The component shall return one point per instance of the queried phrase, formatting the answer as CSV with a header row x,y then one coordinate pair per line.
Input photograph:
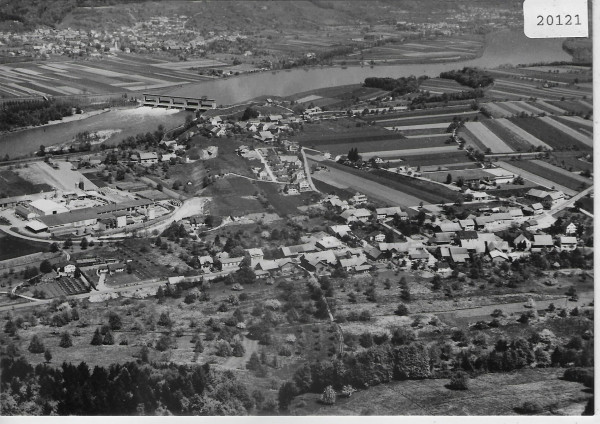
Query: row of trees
x,y
397,86
121,389
471,77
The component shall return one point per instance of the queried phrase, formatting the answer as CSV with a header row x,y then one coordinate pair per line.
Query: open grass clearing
x,y
489,394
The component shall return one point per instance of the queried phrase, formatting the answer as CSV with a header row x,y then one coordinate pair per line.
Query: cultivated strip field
x,y
549,135
535,178
510,138
579,120
345,180
444,115
553,108
409,152
564,172
528,107
487,138
497,111
521,133
567,130
550,173
418,127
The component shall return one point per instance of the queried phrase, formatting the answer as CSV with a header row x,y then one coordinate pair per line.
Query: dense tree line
x,y
22,114
397,86
471,77
447,97
121,389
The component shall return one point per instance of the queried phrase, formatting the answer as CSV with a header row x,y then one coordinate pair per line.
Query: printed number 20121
x,y
558,20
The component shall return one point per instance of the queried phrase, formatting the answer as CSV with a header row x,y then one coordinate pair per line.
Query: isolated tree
x,y
144,354
164,320
449,179
68,243
286,394
401,310
84,243
328,397
45,266
47,355
54,247
36,345
114,321
459,381
97,338
199,347
10,327
65,340
238,349
253,363
108,339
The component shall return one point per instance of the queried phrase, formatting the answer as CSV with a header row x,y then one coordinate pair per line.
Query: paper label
x,y
555,18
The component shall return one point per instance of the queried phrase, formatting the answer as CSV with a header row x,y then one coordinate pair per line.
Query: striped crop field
x,y
557,176
522,134
419,127
524,169
550,107
517,143
568,130
549,135
584,126
487,137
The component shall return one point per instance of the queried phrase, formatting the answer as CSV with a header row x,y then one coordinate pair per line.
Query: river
x,y
503,47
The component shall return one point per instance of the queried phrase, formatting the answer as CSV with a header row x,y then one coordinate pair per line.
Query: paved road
x,y
569,202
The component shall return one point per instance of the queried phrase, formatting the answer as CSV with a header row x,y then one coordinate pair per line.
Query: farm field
x,y
337,94
12,184
577,123
110,75
434,117
568,130
487,137
13,247
573,106
384,145
488,394
548,134
510,138
398,154
554,173
550,108
325,188
569,161
447,158
439,86
346,178
523,171
521,133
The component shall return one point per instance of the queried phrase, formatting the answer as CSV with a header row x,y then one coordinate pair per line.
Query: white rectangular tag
x,y
555,18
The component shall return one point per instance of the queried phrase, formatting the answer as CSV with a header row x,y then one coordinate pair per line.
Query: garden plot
x,y
569,131
534,141
487,138
534,178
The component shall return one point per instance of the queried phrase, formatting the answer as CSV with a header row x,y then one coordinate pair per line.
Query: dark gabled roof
x,y
466,235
